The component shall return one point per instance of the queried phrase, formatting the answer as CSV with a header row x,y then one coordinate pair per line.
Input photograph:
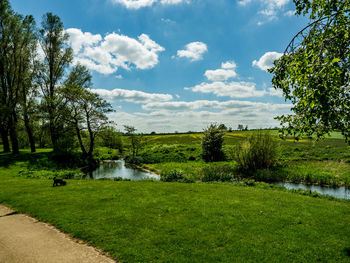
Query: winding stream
x,y
113,169
339,192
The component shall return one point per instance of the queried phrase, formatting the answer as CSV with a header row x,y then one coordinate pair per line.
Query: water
x,y
339,192
113,169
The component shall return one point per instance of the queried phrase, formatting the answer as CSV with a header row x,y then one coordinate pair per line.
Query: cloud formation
x,y
266,61
231,89
106,55
193,51
134,96
269,9
136,4
226,72
196,115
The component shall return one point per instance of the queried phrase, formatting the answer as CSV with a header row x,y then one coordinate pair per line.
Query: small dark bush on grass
x,y
172,176
258,152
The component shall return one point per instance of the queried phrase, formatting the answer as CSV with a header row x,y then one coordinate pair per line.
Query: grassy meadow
x,y
150,221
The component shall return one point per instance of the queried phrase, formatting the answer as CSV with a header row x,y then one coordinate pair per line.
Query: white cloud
x,y
228,65
79,39
106,55
214,104
194,51
134,96
275,92
220,74
269,9
136,4
119,77
266,61
226,72
289,13
244,2
230,89
196,115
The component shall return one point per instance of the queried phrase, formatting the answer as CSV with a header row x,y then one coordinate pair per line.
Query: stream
x,y
113,169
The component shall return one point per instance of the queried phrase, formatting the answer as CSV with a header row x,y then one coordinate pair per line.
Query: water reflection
x,y
339,192
114,169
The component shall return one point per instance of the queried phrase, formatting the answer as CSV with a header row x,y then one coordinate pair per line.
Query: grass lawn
x,y
173,222
177,222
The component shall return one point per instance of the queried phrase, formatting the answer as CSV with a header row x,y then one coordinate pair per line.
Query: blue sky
x,y
178,65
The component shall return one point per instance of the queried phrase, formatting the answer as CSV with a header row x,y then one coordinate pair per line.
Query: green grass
x,y
172,222
199,222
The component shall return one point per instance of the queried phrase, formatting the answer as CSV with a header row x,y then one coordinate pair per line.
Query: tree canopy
x,y
314,74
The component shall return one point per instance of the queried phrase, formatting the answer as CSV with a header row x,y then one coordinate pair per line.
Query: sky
x,y
179,65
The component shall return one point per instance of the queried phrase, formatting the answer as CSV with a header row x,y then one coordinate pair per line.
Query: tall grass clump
x,y
259,151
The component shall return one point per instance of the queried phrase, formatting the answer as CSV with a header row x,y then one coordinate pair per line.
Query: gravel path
x,y
25,240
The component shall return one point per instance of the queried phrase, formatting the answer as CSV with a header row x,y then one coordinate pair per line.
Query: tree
x,y
314,72
57,57
222,127
240,127
85,111
111,138
137,140
17,46
212,141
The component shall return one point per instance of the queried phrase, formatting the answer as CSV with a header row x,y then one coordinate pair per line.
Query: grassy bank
x,y
326,162
172,222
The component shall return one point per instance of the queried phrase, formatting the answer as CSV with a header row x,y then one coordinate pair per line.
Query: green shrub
x,y
258,152
217,173
212,142
172,176
136,160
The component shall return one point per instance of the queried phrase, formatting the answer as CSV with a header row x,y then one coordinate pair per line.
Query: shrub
x,y
212,140
258,152
217,173
136,160
172,176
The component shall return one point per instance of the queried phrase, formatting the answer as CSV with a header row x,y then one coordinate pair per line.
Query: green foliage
x,y
258,152
111,138
172,176
212,141
314,75
222,173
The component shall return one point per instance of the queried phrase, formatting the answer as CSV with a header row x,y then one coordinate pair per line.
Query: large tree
x,y
17,44
57,57
314,72
85,110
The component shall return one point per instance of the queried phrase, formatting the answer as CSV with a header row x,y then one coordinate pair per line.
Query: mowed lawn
x,y
174,222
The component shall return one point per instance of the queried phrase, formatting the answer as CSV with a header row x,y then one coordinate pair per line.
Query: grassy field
x,y
199,222
326,162
173,222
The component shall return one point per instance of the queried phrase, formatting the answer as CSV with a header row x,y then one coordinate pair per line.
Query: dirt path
x,y
25,240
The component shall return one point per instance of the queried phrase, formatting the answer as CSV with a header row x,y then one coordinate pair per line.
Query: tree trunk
x,y
29,132
5,139
13,135
84,153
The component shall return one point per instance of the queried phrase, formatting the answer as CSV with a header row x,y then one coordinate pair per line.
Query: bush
x,y
172,176
136,160
258,152
217,173
212,140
